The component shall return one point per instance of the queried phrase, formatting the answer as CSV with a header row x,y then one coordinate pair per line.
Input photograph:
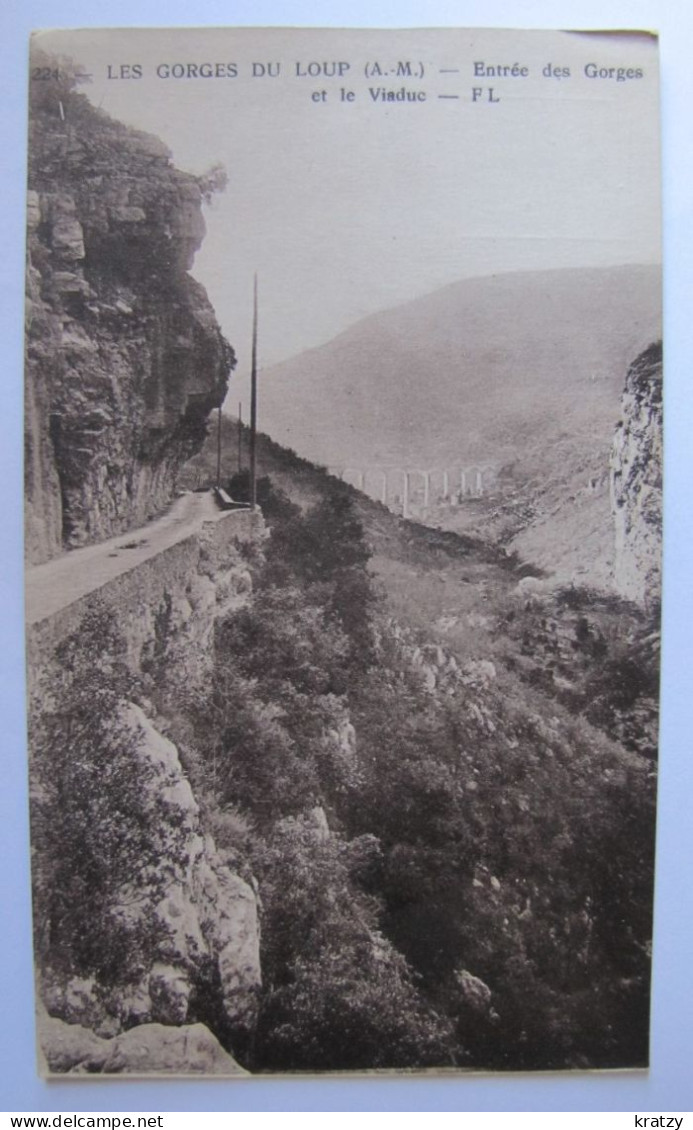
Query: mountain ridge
x,y
358,398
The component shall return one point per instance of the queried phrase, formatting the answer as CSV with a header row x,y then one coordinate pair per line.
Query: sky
x,y
348,205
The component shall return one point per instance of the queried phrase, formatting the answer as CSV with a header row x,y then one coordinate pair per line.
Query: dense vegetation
x,y
96,827
451,874
454,854
441,783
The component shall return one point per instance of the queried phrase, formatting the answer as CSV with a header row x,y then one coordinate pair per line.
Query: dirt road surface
x,y
58,583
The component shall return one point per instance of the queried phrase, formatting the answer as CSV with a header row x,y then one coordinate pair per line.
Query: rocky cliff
x,y
186,925
636,481
121,842
124,356
147,934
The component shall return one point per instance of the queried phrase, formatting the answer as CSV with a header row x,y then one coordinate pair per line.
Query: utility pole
x,y
253,403
240,437
219,446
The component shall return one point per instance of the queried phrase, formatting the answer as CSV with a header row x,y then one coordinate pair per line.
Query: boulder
x,y
473,992
67,1047
149,1049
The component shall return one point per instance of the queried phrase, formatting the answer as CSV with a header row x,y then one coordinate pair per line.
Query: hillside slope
x,y
522,372
495,734
482,600
489,368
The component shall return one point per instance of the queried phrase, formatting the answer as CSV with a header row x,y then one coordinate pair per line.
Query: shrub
x,y
339,996
98,832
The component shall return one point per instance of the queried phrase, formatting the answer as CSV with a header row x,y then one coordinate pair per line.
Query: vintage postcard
x,y
343,505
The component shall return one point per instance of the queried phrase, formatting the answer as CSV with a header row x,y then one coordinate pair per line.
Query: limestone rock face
x,y
145,1050
124,357
636,481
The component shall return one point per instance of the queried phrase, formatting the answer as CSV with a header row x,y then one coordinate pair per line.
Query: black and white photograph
x,y
343,500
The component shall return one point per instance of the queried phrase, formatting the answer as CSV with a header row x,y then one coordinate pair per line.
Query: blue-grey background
x,y
669,1084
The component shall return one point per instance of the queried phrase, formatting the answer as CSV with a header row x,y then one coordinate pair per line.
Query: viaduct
x,y
407,490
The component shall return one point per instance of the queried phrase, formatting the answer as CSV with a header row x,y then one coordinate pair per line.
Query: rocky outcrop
x,y
147,1050
124,356
636,481
473,992
186,923
200,919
